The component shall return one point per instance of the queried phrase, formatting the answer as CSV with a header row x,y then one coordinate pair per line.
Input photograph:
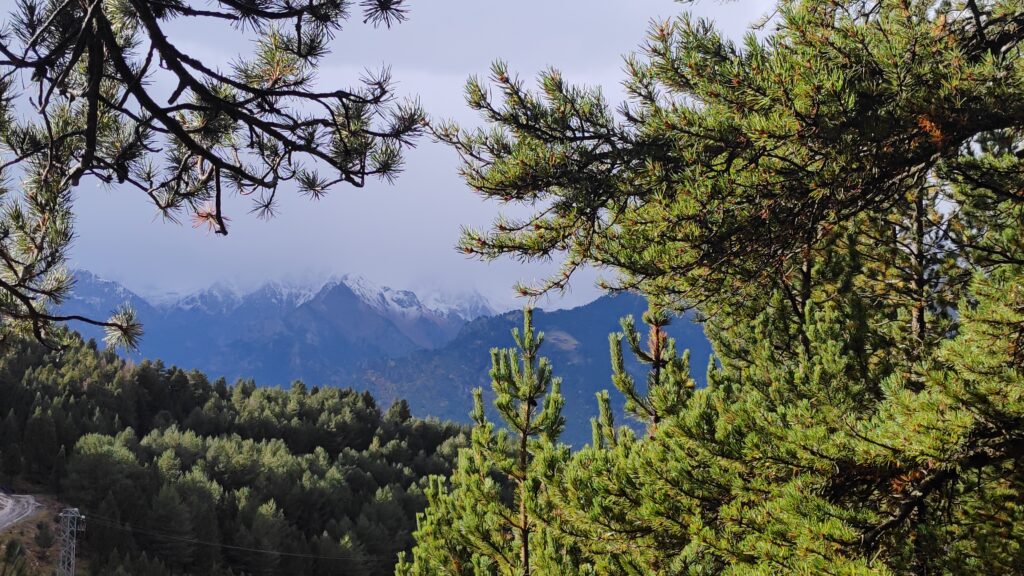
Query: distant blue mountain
x,y
440,382
279,333
349,332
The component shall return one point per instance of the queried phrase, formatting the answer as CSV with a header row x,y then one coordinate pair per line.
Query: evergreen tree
x,y
41,451
668,381
170,528
10,444
839,198
277,471
731,159
250,128
111,535
491,517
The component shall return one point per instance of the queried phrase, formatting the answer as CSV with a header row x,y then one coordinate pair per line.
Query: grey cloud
x,y
402,235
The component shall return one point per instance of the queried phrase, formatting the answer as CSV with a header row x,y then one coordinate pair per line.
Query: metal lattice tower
x,y
71,523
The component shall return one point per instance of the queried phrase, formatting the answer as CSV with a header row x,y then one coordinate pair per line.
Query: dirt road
x,y
14,509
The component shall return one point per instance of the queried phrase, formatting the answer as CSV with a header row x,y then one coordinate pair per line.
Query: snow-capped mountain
x,y
382,298
284,294
217,299
430,349
221,298
282,331
91,290
428,326
95,297
409,304
468,306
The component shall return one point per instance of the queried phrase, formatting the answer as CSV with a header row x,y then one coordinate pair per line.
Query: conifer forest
x,y
836,197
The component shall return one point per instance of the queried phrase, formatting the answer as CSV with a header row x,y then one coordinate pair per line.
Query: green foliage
x,y
14,563
839,198
490,517
668,385
249,126
44,537
180,476
730,157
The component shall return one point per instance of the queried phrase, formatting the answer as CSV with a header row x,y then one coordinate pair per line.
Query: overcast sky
x,y
400,235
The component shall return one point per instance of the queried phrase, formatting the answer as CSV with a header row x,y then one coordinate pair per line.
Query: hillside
x,y
350,332
32,544
439,382
182,475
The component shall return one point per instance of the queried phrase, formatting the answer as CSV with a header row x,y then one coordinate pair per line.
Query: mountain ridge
x,y
347,318
439,382
351,332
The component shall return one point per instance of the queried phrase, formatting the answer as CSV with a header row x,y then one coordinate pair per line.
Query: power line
x,y
115,524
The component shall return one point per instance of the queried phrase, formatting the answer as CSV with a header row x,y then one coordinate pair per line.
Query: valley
x,y
350,332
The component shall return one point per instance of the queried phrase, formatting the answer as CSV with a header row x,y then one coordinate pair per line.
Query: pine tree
x,y
10,444
111,534
600,500
41,451
491,516
259,123
668,383
175,494
718,191
603,432
170,529
839,198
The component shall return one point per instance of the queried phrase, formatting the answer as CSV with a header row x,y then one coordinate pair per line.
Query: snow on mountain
x,y
217,299
468,306
91,290
222,299
267,324
385,299
283,294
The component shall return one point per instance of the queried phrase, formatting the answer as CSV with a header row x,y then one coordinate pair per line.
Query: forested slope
x,y
181,475
841,196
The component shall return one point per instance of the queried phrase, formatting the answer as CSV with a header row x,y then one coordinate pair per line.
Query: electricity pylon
x,y
71,523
